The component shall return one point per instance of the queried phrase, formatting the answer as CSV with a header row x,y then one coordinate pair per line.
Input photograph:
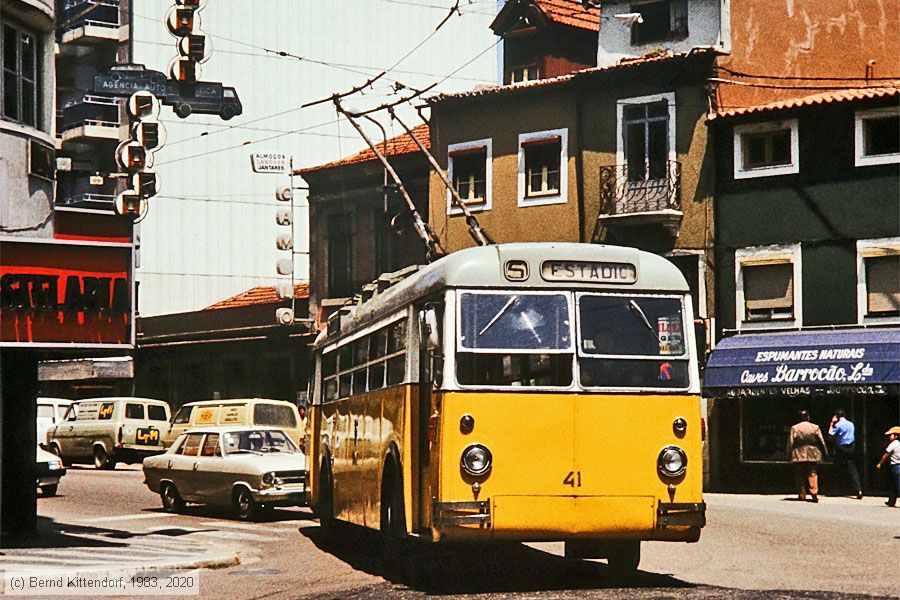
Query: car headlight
x,y
268,478
54,465
476,460
672,461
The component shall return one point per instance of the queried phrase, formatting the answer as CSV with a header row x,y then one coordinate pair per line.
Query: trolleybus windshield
x,y
515,339
631,341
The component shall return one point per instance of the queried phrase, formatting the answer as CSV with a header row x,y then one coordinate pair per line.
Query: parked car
x,y
49,472
250,469
109,430
50,411
238,411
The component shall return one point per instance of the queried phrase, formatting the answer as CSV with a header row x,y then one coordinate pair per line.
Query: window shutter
x,y
883,284
769,286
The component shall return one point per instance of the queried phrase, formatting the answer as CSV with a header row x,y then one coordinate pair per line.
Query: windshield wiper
x,y
640,314
499,314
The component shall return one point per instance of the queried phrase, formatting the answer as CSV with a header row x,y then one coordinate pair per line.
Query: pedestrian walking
x,y
843,432
892,454
806,447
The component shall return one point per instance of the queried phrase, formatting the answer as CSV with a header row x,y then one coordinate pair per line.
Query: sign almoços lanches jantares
x,y
66,293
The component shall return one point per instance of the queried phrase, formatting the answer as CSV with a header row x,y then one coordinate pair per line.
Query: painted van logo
x,y
147,435
106,411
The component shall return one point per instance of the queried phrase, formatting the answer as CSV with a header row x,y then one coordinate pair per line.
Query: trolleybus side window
x,y
514,339
632,341
368,363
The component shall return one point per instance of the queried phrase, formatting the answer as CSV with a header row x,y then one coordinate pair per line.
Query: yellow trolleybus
x,y
529,392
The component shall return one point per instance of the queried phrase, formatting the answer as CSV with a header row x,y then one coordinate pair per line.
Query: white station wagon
x,y
251,469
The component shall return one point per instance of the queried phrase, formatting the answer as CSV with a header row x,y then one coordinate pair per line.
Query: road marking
x,y
233,536
126,517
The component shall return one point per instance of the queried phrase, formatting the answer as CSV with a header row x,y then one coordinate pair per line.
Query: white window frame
x,y
563,195
487,144
863,159
866,249
789,252
793,167
621,103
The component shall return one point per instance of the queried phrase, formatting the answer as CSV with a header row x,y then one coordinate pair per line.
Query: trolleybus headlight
x,y
672,461
476,460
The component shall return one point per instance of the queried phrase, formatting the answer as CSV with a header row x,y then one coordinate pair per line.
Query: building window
x,y
543,159
878,136
20,69
469,170
645,144
878,280
765,149
768,287
661,20
524,73
646,140
340,256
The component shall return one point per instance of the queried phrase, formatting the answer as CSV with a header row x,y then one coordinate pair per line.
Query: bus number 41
x,y
573,479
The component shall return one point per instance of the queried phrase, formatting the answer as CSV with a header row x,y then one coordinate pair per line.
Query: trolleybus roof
x,y
549,265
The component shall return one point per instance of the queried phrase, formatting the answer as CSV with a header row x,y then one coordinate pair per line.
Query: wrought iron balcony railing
x,y
72,14
89,110
654,189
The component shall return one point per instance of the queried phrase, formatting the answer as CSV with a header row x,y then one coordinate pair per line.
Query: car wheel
x,y
245,506
54,448
171,499
227,112
183,110
624,557
49,490
102,460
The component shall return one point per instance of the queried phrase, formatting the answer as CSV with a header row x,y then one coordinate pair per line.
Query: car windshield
x,y
514,321
254,441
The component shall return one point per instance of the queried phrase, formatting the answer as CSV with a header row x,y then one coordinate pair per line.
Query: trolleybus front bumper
x,y
675,521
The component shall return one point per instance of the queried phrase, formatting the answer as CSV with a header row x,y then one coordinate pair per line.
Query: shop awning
x,y
850,357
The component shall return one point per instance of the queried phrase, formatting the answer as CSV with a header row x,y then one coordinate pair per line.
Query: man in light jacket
x,y
806,448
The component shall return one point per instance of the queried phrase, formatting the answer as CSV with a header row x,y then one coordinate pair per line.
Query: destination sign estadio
x,y
588,271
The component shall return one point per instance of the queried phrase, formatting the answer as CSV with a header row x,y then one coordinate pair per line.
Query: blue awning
x,y
850,357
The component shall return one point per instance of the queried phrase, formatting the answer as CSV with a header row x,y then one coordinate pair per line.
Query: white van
x,y
50,411
238,411
110,430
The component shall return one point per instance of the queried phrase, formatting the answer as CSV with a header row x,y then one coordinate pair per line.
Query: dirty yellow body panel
x,y
357,433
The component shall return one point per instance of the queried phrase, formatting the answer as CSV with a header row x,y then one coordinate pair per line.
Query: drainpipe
x,y
579,162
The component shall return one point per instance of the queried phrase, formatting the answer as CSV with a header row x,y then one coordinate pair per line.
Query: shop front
x,y
758,383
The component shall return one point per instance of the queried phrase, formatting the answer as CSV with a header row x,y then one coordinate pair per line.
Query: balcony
x,y
639,201
87,21
79,192
88,117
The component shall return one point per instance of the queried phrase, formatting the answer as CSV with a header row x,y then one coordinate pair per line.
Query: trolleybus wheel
x,y
624,556
325,509
393,520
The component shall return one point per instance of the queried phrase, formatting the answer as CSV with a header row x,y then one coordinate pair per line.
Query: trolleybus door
x,y
429,353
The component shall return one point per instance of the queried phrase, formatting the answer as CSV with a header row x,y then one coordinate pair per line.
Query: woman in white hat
x,y
892,453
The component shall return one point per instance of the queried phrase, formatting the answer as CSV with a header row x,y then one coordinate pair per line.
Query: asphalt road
x,y
754,546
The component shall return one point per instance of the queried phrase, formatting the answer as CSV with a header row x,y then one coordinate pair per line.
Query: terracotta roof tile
x,y
626,63
402,144
265,294
828,97
570,13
